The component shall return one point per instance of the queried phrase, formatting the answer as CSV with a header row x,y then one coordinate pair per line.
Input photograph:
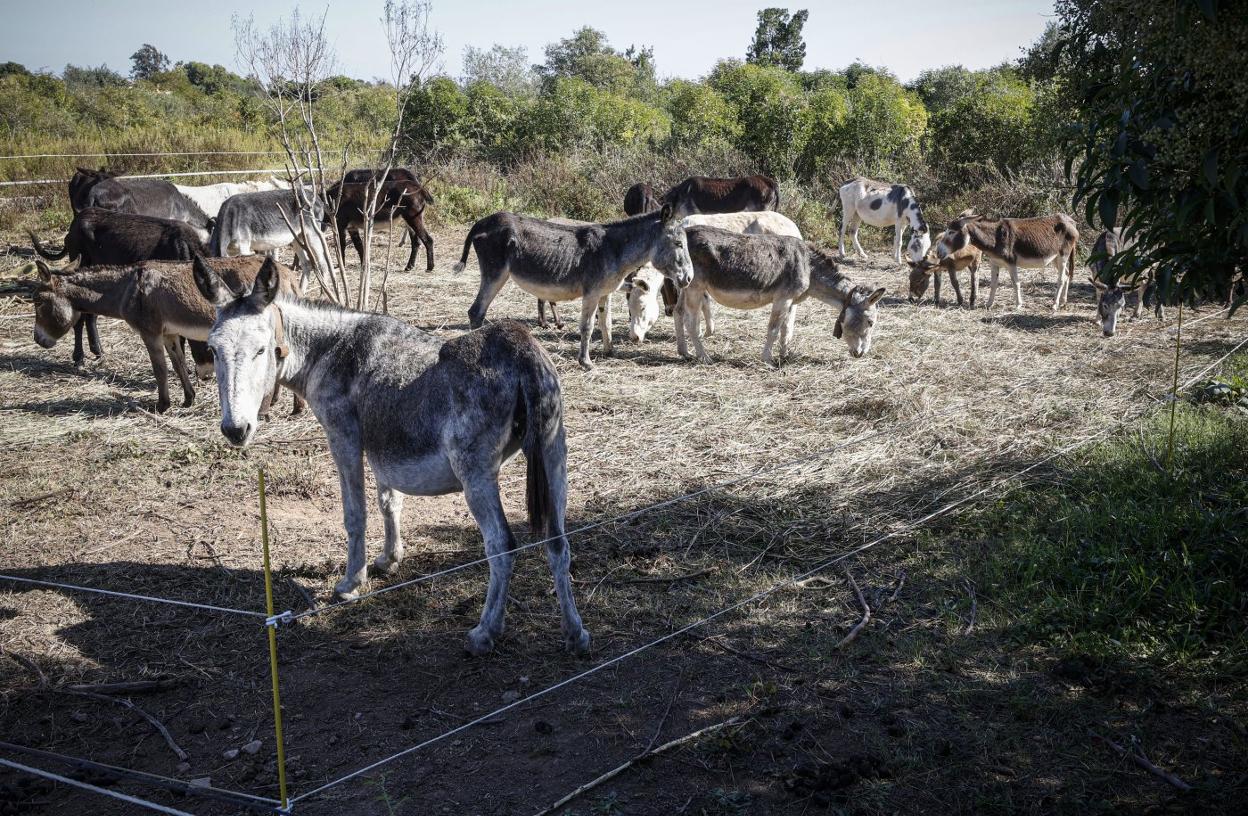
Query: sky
x,y
689,37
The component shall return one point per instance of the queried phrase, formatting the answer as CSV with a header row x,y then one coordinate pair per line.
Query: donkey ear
x,y
209,283
665,214
45,271
876,295
267,283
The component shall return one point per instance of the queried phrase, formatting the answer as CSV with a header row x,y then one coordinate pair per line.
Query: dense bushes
x,y
589,117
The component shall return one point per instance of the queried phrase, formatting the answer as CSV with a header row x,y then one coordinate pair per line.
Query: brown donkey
x,y
158,299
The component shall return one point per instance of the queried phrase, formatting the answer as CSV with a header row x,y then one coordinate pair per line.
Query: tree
x,y
1159,147
505,68
147,62
778,39
587,56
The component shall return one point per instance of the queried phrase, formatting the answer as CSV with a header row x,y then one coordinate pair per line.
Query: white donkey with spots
x,y
881,204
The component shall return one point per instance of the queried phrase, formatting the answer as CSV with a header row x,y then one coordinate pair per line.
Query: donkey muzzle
x,y
237,434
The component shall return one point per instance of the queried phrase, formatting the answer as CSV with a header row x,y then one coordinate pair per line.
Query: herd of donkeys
x,y
434,416
706,240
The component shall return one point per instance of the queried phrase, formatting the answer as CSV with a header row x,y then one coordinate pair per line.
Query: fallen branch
x,y
611,774
129,687
866,614
157,724
1142,761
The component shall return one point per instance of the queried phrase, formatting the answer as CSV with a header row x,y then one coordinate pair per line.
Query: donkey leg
x,y
691,311
992,285
678,315
554,313
541,313
589,306
173,347
558,554
490,287
857,244
936,287
350,462
391,503
604,317
898,229
778,309
974,271
481,492
957,289
79,355
706,313
844,224
1018,286
93,335
417,225
786,330
156,353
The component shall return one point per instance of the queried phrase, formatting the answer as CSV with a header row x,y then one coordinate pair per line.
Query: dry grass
x,y
99,491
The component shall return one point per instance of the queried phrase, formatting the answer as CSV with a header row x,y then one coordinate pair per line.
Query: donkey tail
x,y
472,233
544,446
46,254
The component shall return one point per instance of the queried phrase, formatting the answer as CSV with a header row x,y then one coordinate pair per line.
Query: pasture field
x,y
945,702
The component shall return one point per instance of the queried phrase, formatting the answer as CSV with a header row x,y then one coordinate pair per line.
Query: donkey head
x,y
54,314
1110,302
920,242
671,253
957,234
857,319
921,272
643,303
247,342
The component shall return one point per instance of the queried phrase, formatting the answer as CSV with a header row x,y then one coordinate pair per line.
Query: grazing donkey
x,y
263,221
210,197
752,271
99,236
1027,243
431,417
1111,298
643,309
702,194
929,268
157,299
881,204
563,262
398,195
639,199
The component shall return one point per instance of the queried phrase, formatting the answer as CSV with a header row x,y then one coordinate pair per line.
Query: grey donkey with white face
x,y
431,417
564,262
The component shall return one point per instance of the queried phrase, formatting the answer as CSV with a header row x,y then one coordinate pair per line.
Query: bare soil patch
x,y
921,713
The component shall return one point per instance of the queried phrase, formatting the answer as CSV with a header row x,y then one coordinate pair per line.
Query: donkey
x,y
263,222
99,236
929,268
154,197
881,204
563,262
1111,298
431,417
1027,243
752,271
643,309
639,199
210,197
157,299
398,195
702,194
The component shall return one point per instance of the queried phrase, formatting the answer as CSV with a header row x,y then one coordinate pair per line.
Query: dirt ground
x,y
924,712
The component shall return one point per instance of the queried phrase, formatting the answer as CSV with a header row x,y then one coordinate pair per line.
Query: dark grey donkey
x,y
431,417
563,262
753,271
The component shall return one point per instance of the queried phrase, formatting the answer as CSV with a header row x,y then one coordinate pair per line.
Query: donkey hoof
x,y
348,590
162,406
480,641
386,565
578,643
586,365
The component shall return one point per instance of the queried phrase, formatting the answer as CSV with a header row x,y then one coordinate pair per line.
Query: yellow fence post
x,y
271,625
